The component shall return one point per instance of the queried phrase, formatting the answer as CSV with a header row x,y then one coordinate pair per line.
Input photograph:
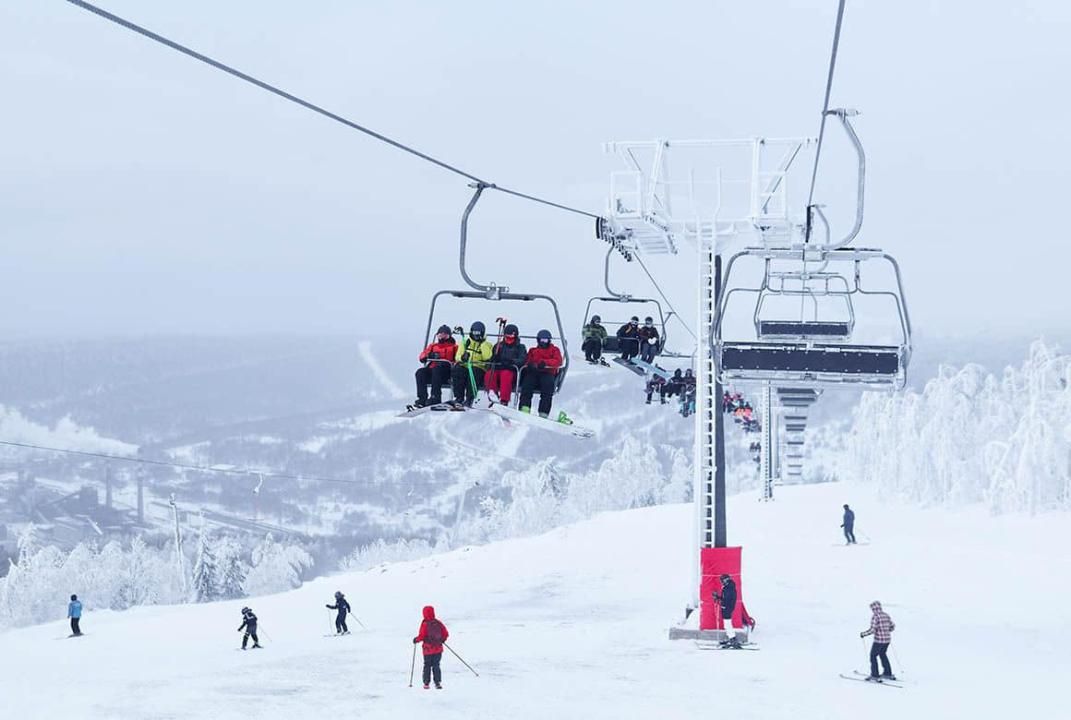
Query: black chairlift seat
x,y
803,363
791,329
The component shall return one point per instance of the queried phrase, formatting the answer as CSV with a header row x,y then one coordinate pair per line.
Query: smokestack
x,y
141,495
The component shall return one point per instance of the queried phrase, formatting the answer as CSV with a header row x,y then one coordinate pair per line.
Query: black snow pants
x,y
462,383
849,534
533,381
74,626
630,347
435,374
878,650
250,632
431,667
592,348
340,622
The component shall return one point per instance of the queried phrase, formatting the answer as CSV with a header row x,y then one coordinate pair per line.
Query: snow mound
x,y
572,624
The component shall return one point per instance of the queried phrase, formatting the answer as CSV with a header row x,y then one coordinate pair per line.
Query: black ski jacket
x,y
727,598
249,623
342,606
849,519
509,357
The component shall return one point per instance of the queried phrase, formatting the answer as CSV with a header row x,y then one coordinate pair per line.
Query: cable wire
x,y
182,466
825,104
155,37
658,288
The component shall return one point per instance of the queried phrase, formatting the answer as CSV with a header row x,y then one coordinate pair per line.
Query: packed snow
x,y
573,624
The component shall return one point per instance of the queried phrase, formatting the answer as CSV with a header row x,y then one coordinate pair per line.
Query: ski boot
x,y
526,410
563,418
427,686
438,686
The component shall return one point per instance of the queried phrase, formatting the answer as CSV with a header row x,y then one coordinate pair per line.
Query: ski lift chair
x,y
813,351
495,294
612,343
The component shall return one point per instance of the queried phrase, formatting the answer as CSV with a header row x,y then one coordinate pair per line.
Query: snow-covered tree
x,y
232,569
275,567
205,572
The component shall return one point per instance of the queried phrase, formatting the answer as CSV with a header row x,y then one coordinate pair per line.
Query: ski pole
x,y
330,622
412,666
461,659
897,659
358,620
266,634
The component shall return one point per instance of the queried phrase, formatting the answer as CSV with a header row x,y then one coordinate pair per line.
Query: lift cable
x,y
183,466
658,288
825,105
145,32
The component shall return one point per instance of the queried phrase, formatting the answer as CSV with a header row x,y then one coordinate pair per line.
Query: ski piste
x,y
630,366
562,428
886,683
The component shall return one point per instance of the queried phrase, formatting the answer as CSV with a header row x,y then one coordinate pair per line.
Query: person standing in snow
x,y
74,612
249,624
849,525
433,634
343,608
881,627
727,600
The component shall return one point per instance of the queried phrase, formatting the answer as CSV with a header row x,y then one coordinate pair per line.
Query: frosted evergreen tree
x,y
231,569
206,572
275,567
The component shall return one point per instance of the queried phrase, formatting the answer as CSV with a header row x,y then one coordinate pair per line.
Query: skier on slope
x,y
472,357
438,358
249,624
507,358
343,608
648,340
594,334
541,369
849,525
74,612
628,336
726,600
881,627
433,634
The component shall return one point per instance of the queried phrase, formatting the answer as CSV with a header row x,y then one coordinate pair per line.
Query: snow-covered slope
x,y
572,624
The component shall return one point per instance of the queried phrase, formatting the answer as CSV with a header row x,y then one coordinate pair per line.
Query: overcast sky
x,y
143,192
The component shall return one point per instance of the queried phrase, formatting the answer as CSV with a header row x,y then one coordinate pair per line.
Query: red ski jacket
x,y
551,355
445,350
430,648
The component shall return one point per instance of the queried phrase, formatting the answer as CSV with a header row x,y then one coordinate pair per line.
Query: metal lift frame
x,y
495,293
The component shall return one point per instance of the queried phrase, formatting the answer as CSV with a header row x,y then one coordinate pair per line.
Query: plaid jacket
x,y
881,625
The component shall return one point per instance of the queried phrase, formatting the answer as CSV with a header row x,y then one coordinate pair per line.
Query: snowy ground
x,y
573,624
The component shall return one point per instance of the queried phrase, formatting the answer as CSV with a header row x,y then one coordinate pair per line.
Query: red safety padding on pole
x,y
713,562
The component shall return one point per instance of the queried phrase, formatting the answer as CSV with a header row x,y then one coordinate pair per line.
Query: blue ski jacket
x,y
74,609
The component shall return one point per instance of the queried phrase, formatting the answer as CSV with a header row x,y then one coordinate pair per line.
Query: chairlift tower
x,y
719,196
714,195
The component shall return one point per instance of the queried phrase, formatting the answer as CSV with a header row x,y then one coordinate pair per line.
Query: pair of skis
x,y
563,425
865,677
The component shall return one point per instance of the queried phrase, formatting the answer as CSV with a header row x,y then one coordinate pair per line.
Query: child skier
x,y
727,601
249,624
343,608
881,627
74,612
433,634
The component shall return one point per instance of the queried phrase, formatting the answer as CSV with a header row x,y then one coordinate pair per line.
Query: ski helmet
x,y
543,337
596,319
246,610
634,320
477,331
510,329
648,321
677,372
688,372
75,597
338,593
725,577
443,330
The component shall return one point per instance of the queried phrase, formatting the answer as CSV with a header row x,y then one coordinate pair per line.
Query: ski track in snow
x,y
572,624
365,350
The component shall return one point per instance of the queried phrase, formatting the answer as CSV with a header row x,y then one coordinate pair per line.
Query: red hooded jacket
x,y
551,355
445,350
429,647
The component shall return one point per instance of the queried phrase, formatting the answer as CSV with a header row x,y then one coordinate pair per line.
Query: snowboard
x,y
859,677
413,411
542,423
652,369
630,366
